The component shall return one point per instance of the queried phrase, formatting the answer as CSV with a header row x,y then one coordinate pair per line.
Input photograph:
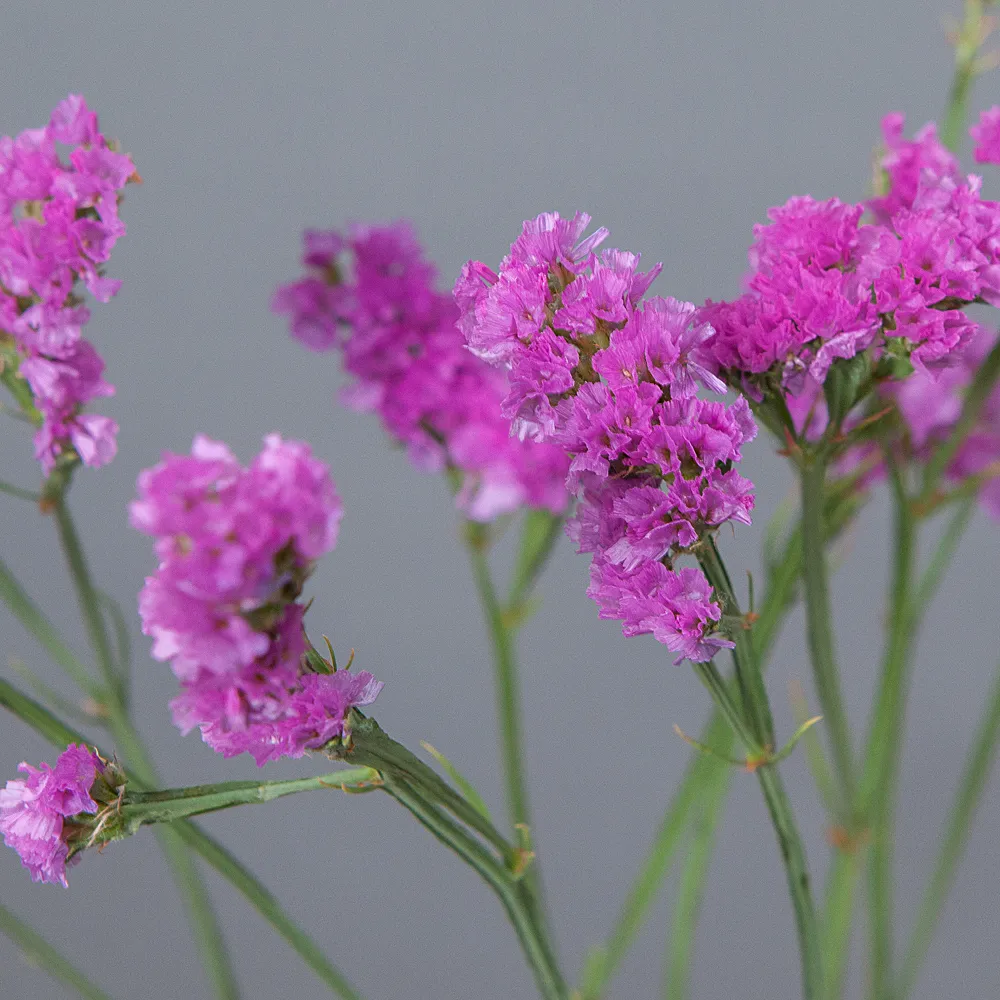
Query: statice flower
x,y
59,222
825,286
372,293
986,136
235,547
611,378
36,812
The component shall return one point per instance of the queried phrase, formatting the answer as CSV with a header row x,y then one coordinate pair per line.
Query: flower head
x,y
372,293
34,810
59,222
611,378
235,547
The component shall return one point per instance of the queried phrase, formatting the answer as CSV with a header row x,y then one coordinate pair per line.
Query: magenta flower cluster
x,y
58,224
824,285
611,377
410,365
34,810
235,546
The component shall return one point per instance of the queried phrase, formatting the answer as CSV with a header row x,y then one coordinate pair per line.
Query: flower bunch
x,y
825,286
611,379
401,344
58,225
235,547
34,811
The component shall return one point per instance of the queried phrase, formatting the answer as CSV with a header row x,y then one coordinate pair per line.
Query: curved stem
x,y
539,538
789,840
510,893
211,851
819,621
201,914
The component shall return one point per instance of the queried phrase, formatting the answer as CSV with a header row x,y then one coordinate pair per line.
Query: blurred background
x,y
676,127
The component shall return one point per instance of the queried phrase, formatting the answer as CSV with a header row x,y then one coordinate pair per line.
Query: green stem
x,y
789,840
171,804
539,535
87,596
212,852
691,889
877,792
702,781
975,775
16,491
819,620
510,892
506,684
745,662
41,954
505,675
932,577
204,922
244,881
967,45
46,634
838,913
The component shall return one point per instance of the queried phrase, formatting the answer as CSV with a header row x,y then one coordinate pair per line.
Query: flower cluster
x,y
58,224
34,810
235,547
824,285
611,379
410,365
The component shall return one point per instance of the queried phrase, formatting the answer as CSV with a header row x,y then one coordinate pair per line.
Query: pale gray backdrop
x,y
676,126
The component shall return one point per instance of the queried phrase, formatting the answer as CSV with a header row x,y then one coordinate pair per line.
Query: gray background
x,y
676,126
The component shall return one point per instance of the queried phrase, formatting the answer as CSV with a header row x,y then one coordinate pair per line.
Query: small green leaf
x,y
847,381
463,783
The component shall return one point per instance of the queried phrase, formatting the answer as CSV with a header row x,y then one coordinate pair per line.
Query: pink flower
x,y
58,225
401,343
33,810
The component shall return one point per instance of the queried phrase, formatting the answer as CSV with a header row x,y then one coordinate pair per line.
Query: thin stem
x,y
932,577
45,633
789,840
967,44
42,955
975,775
201,914
819,621
745,662
87,595
506,684
691,890
507,687
703,782
261,899
877,793
510,893
797,874
838,912
211,851
16,491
